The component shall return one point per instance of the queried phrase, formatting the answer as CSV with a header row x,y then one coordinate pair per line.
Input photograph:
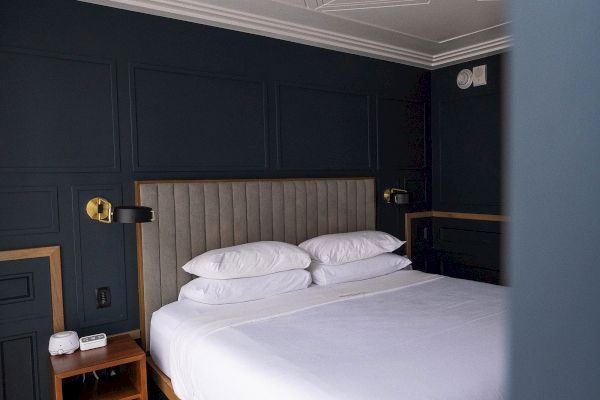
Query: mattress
x,y
407,335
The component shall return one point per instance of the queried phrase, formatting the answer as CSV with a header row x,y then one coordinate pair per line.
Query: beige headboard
x,y
196,216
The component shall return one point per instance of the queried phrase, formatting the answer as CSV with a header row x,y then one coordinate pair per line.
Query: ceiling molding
x,y
474,32
471,52
333,5
209,14
424,39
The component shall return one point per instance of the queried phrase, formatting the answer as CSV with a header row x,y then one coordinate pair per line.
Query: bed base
x,y
160,379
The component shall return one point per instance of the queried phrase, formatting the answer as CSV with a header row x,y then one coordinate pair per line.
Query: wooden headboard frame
x,y
194,216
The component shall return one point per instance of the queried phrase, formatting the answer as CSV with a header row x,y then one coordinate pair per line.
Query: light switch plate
x,y
480,75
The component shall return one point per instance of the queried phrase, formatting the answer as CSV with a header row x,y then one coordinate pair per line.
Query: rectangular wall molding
x,y
59,112
469,155
19,382
99,257
322,129
28,210
16,288
186,120
401,133
467,236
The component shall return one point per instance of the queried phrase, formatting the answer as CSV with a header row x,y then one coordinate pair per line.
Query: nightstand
x,y
121,352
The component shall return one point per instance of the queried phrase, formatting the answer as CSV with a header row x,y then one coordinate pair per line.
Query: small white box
x,y
92,341
480,75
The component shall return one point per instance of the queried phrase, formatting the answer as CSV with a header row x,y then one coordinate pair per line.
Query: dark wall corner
x,y
467,133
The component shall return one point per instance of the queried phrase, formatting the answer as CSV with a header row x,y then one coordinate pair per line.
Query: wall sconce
x,y
101,210
396,196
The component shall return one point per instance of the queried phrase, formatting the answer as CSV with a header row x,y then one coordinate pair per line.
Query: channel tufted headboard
x,y
196,216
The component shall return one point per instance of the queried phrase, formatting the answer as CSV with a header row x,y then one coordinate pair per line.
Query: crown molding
x,y
333,6
470,52
209,14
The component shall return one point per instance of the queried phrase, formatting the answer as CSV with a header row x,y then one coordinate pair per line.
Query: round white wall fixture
x,y
464,79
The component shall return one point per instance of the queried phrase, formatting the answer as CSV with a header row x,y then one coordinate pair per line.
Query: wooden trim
x,y
408,217
344,178
53,254
162,381
140,271
477,217
134,334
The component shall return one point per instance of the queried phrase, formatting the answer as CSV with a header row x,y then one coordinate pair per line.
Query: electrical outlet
x,y
103,297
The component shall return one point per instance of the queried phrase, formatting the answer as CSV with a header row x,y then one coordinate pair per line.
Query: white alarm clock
x,y
63,343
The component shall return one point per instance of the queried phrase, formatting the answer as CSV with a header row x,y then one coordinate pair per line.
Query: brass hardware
x,y
99,209
389,195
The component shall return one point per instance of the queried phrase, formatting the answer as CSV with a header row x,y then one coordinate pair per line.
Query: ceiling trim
x,y
195,11
471,52
442,41
333,6
474,32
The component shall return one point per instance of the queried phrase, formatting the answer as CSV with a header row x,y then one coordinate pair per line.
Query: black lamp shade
x,y
402,198
132,214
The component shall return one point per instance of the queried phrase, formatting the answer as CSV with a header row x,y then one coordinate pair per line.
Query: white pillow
x,y
225,291
382,264
246,260
341,248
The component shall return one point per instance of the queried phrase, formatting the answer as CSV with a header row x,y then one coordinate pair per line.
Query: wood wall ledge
x,y
53,254
408,217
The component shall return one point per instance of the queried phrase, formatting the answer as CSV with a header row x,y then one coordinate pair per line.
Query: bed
x,y
406,335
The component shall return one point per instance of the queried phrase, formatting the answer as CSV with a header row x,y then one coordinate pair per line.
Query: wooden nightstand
x,y
121,351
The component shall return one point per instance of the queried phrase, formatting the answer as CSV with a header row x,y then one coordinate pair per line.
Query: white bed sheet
x,y
407,335
167,320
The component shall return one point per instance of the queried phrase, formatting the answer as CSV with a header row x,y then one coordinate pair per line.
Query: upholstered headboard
x,y
196,216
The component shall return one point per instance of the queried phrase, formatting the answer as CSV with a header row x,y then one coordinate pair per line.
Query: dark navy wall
x,y
467,127
467,147
93,98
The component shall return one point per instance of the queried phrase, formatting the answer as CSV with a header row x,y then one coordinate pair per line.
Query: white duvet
x,y
407,335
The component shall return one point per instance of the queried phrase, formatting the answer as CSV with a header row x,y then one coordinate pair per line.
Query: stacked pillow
x,y
262,269
345,257
246,272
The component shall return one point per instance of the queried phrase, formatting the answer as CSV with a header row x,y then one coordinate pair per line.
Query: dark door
x,y
25,327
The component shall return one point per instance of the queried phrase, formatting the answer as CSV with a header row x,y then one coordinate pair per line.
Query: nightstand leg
x,y
138,377
143,380
56,388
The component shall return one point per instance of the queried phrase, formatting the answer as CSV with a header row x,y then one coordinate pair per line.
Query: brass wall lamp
x,y
396,196
101,210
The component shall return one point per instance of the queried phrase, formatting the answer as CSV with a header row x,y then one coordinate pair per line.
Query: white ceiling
x,y
424,33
